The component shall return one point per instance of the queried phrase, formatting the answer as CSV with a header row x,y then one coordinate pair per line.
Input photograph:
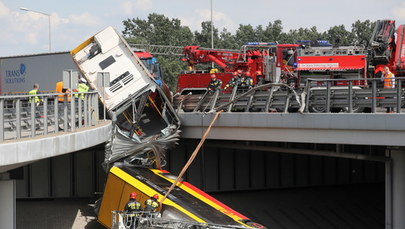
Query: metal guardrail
x,y
20,117
317,96
122,220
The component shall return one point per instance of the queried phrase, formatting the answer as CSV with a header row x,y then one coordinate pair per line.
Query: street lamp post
x,y
212,32
49,19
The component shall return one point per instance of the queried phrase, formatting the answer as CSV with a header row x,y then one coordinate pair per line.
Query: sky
x,y
73,21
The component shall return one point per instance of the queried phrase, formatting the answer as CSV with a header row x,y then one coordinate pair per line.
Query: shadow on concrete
x,y
56,213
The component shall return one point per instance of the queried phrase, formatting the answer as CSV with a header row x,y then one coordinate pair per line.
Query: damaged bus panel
x,y
186,203
145,123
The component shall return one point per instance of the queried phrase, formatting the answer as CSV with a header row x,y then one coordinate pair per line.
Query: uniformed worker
x,y
151,205
133,210
246,82
234,81
389,82
215,83
81,87
34,91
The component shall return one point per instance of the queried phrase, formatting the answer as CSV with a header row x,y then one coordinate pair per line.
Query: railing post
x,y
79,108
214,100
327,96
95,111
350,96
308,94
18,117
72,113
85,109
33,127
399,95
374,96
2,120
65,113
233,95
56,113
45,115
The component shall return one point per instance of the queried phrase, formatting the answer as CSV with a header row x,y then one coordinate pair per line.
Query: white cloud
x,y
85,19
4,11
144,5
400,11
221,20
129,7
31,38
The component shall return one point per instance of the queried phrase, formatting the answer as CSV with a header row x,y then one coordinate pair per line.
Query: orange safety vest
x,y
59,89
389,81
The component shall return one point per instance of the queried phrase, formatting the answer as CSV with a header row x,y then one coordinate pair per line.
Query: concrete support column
x,y
8,203
398,188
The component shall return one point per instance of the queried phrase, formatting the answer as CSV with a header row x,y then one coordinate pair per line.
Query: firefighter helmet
x,y
213,76
156,196
132,195
234,73
247,74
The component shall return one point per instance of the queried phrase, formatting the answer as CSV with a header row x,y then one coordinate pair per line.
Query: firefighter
x,y
259,77
389,82
151,205
215,84
34,91
133,209
246,82
234,81
81,87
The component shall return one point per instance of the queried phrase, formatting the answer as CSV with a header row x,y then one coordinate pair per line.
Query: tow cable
x,y
190,160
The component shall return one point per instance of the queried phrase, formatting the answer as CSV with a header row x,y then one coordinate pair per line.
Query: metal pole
x,y
373,96
328,94
399,95
50,42
212,29
2,120
350,96
49,20
212,32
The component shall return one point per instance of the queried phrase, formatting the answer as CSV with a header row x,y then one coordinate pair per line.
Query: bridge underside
x,y
357,129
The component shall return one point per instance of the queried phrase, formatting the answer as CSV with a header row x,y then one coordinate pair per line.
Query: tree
x,y
227,40
339,36
274,31
160,30
362,32
244,34
157,30
204,37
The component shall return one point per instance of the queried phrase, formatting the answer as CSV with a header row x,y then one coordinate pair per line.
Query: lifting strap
x,y
193,155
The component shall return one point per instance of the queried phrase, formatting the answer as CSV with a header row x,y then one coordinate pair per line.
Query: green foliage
x,y
161,30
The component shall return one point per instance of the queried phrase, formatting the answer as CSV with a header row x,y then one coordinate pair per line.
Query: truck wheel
x,y
317,109
355,109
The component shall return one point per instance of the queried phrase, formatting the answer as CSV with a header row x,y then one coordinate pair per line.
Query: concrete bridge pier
x,y
395,189
8,201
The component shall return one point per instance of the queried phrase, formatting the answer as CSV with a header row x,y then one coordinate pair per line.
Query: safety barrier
x,y
22,117
122,220
316,96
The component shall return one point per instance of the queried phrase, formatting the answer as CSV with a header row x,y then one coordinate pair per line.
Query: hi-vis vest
x,y
82,88
389,81
33,92
151,205
133,207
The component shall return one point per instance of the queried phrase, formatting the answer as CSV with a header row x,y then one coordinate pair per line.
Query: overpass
x,y
84,130
32,132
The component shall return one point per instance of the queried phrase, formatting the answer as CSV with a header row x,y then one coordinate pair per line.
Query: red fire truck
x,y
264,61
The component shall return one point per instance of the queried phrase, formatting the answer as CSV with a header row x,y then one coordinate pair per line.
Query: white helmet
x,y
82,80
